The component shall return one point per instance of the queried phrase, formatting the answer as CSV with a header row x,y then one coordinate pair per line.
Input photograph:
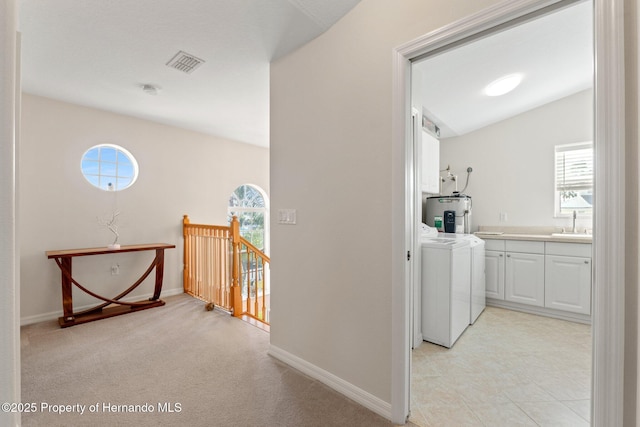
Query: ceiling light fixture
x,y
150,89
503,85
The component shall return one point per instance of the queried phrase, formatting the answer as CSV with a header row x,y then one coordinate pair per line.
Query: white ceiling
x,y
98,53
554,53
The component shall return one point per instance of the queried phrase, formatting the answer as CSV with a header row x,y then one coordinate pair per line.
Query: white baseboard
x,y
349,390
53,315
540,311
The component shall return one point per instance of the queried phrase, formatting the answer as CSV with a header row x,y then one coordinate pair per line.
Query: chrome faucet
x,y
575,215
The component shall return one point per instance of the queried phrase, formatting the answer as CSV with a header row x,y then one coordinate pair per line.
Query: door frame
x,y
609,189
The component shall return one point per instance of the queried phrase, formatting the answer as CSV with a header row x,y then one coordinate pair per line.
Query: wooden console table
x,y
64,257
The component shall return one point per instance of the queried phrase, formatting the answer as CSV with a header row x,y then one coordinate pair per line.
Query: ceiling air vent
x,y
185,62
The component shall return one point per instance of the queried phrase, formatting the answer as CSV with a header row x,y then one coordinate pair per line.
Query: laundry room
x,y
503,294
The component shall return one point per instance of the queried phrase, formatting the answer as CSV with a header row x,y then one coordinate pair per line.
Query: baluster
x,y
202,265
255,281
220,270
212,269
199,264
185,267
209,287
216,267
217,271
203,254
264,292
230,268
194,263
248,278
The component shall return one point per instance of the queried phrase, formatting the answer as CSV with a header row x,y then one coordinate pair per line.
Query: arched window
x,y
250,205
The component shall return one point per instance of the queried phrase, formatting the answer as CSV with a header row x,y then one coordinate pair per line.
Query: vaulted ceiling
x,y
552,53
101,53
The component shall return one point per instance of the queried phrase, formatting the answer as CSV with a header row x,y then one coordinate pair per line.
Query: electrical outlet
x,y
503,217
115,269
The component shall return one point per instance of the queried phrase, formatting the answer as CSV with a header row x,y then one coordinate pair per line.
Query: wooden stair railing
x,y
224,269
207,263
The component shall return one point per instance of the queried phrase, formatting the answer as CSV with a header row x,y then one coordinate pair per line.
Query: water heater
x,y
451,214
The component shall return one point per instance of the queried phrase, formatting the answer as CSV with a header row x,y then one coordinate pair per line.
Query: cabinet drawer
x,y
568,249
525,246
494,245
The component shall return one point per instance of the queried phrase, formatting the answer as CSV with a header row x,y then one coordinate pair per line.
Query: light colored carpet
x,y
213,368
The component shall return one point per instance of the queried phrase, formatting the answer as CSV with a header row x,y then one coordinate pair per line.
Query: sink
x,y
572,235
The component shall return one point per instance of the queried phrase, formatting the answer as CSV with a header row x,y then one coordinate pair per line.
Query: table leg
x,y
67,295
159,273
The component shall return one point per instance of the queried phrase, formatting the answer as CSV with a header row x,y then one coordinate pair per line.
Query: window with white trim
x,y
574,179
109,167
249,204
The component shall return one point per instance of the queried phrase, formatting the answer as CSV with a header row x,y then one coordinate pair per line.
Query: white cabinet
x,y
494,257
430,163
524,279
524,272
568,277
551,275
494,274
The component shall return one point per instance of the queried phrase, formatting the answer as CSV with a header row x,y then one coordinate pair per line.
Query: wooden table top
x,y
68,253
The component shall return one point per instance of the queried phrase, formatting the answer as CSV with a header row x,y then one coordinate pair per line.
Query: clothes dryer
x,y
477,266
446,289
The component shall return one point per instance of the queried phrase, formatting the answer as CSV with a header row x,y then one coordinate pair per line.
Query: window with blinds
x,y
574,178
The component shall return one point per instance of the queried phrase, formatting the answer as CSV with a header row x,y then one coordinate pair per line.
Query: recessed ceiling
x,y
101,53
553,53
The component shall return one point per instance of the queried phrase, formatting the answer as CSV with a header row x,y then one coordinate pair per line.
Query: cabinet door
x,y
494,274
568,283
430,164
524,281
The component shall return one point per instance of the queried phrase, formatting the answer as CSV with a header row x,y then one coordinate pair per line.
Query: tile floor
x,y
507,369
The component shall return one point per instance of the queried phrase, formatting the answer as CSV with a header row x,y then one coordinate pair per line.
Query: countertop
x,y
539,234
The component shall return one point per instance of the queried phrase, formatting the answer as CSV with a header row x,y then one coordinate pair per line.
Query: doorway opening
x,y
607,340
508,363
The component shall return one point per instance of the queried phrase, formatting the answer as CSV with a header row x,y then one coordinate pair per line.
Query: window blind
x,y
574,167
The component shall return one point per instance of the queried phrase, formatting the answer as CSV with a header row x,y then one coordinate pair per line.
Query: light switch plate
x,y
287,216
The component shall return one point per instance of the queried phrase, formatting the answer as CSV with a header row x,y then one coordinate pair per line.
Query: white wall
x,y
513,162
632,219
331,160
9,275
181,172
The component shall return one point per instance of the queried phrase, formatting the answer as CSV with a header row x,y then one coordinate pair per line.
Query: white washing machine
x,y
446,289
478,281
